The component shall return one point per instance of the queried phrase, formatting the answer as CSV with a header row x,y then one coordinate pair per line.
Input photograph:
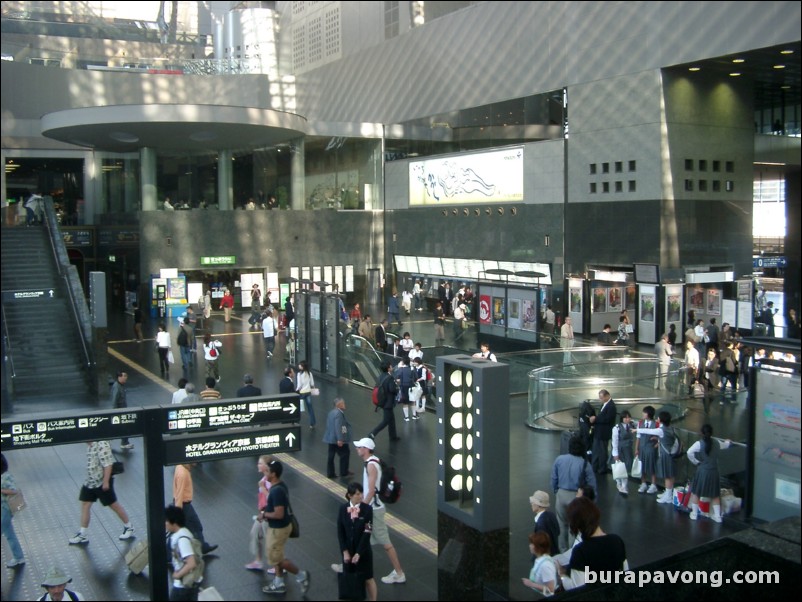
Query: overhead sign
x,y
230,443
95,426
224,413
219,260
47,293
769,262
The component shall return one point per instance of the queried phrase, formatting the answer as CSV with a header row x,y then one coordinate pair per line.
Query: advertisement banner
x,y
484,309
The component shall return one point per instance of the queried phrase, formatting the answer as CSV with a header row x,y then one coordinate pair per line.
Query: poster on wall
x,y
647,307
499,317
484,309
575,294
599,300
673,307
514,313
614,298
632,297
713,302
744,291
696,299
530,315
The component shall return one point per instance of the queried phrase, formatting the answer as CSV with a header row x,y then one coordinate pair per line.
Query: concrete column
x,y
225,187
298,176
130,193
147,169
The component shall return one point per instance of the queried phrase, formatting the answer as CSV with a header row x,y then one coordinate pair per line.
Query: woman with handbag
x,y
8,488
354,526
305,383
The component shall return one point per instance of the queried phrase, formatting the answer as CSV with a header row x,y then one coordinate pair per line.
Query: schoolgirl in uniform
x,y
706,482
623,440
646,450
665,463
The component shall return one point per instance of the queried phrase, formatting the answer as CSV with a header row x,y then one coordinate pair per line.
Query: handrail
x,y
50,222
7,345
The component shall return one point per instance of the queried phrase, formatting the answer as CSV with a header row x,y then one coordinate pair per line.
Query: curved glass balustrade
x,y
556,391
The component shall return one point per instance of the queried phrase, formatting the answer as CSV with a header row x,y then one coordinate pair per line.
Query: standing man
x,y
664,353
182,498
138,323
210,392
248,390
567,339
416,295
181,393
371,479
55,582
393,308
118,401
568,473
227,304
338,436
603,423
439,324
276,512
99,485
182,555
287,384
388,389
605,336
185,346
256,303
381,336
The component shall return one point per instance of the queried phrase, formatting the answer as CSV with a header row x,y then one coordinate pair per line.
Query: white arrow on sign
x,y
51,293
290,438
291,408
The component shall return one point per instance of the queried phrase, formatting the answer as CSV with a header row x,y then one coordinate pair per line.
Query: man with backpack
x,y
371,482
182,556
386,392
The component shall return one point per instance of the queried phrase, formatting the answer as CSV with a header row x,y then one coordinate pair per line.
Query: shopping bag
x,y
350,584
16,502
170,357
315,391
619,470
637,469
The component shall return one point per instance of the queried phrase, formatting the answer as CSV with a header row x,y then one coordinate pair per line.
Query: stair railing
x,y
62,263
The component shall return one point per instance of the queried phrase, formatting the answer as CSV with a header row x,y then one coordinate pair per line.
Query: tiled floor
x,y
225,491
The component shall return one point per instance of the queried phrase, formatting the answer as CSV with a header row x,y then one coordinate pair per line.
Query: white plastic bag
x,y
637,469
619,470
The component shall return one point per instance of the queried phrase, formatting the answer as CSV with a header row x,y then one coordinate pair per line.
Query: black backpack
x,y
389,489
183,338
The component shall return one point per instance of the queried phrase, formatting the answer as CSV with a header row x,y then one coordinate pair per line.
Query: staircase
x,y
46,364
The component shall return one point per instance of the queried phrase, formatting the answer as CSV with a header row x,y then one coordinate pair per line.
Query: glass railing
x,y
556,391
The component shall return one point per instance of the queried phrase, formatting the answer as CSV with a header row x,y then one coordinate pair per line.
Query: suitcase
x,y
137,557
565,437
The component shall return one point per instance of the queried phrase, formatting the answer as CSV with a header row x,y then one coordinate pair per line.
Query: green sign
x,y
219,260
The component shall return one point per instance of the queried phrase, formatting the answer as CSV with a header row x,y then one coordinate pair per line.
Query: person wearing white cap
x,y
545,520
55,582
371,479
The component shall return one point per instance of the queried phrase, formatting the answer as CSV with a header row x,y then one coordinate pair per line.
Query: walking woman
x,y
706,482
305,382
211,353
163,344
8,488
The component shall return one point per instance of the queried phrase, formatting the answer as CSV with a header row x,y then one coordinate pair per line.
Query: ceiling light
x,y
735,74
694,69
786,52
779,66
738,60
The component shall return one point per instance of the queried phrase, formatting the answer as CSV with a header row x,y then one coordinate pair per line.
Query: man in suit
x,y
664,354
249,390
603,423
381,336
287,384
396,350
